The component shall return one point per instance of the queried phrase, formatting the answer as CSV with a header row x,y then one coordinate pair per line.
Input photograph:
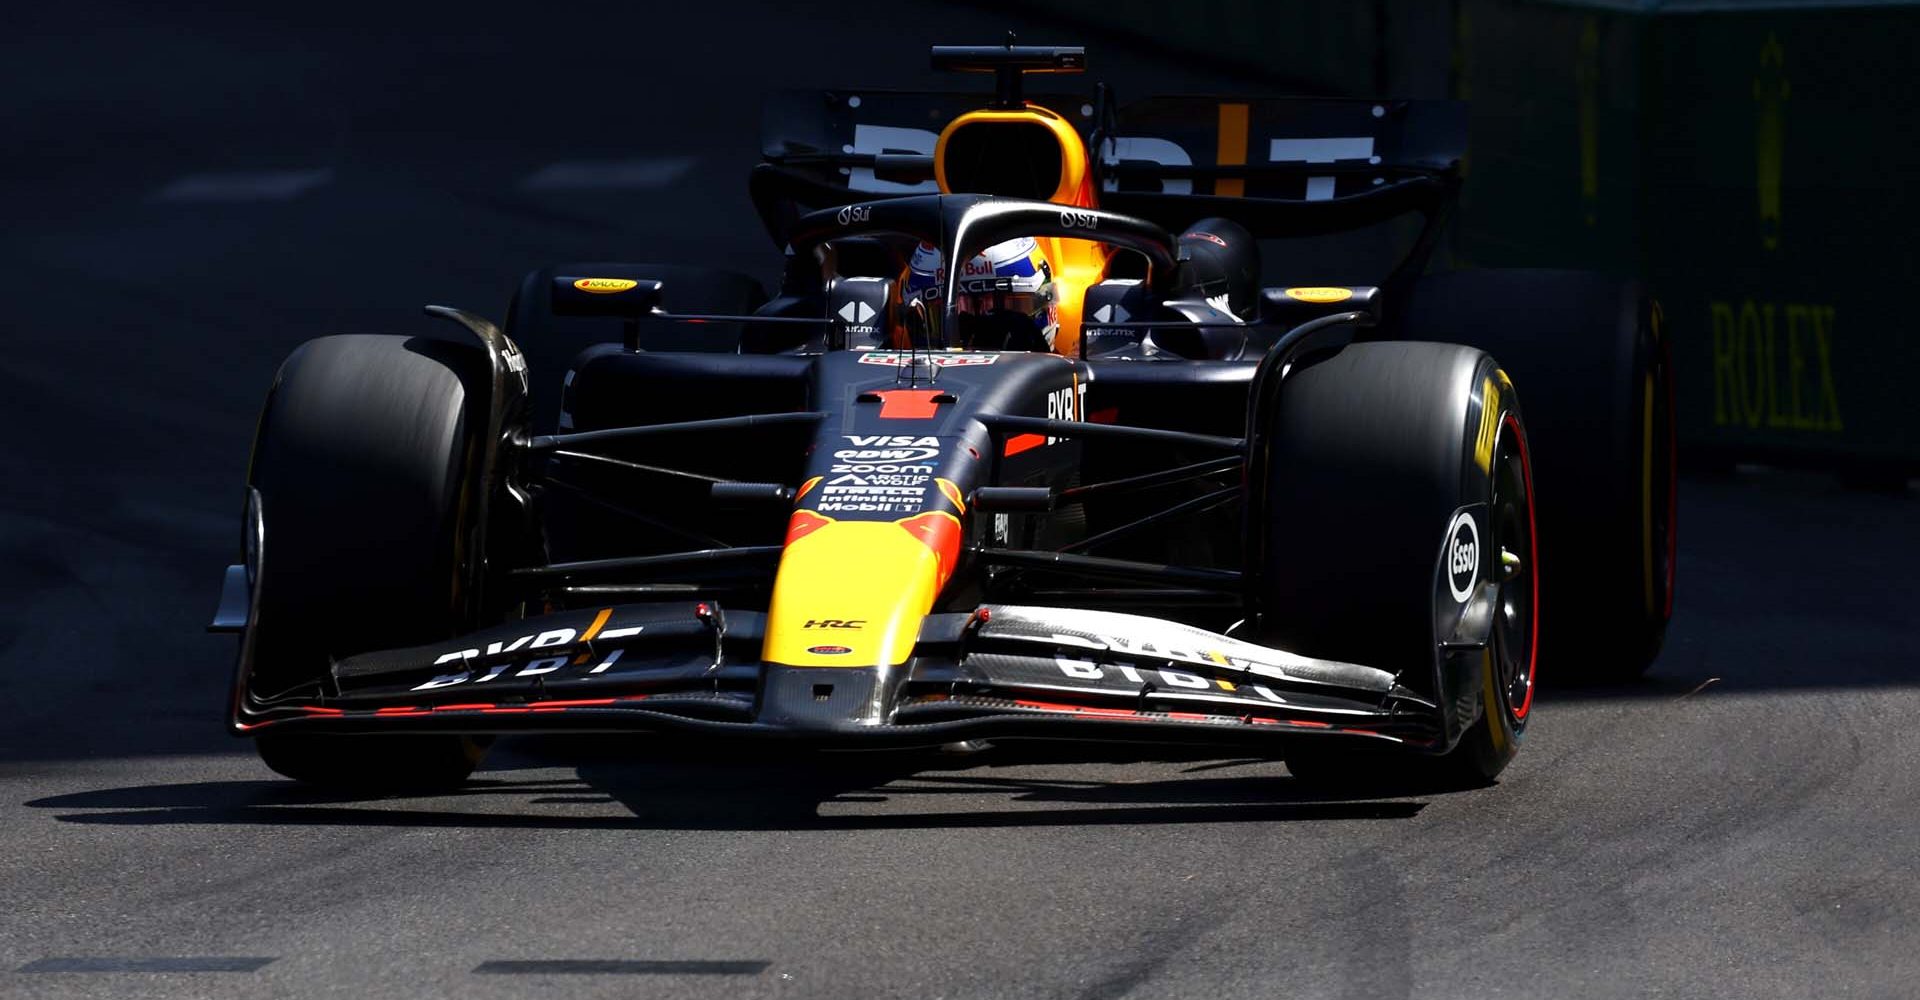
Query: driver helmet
x,y
1008,285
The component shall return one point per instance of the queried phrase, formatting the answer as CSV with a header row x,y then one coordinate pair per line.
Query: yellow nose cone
x,y
853,593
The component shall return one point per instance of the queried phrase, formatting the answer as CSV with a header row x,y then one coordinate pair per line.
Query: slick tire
x,y
551,342
1591,356
1370,452
365,464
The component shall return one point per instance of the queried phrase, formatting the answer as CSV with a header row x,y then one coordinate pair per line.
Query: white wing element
x,y
1140,637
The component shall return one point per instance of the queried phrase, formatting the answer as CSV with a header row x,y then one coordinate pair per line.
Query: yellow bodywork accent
x,y
875,573
1216,657
1077,264
1231,151
1074,172
599,622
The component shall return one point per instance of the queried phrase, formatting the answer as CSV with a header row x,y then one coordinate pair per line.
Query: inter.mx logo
x,y
856,312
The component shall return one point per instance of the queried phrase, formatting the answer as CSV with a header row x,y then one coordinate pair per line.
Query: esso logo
x,y
1079,220
1463,556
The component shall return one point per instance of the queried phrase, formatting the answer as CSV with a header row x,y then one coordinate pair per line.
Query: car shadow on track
x,y
635,786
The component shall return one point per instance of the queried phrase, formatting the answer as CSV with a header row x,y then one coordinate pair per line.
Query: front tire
x,y
1373,455
367,464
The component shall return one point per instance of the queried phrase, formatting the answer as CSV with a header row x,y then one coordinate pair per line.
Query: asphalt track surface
x,y
1741,824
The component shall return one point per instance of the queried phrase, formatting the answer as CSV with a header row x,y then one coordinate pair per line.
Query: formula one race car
x,y
1022,448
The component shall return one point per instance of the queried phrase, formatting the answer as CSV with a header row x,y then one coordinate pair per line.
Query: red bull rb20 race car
x,y
1022,448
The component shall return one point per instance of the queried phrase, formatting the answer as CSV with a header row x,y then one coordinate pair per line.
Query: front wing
x,y
1000,671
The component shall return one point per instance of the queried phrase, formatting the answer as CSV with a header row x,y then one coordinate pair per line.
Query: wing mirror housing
x,y
627,299
621,298
1290,307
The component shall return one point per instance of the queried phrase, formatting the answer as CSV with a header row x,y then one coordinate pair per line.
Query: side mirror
x,y
622,298
1290,307
629,299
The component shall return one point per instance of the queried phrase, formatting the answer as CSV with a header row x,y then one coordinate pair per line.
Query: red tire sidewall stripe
x,y
1533,543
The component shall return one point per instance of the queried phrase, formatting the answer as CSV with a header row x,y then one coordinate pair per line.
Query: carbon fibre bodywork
x,y
855,533
641,638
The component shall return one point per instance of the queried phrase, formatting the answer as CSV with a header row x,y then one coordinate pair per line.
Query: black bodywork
x,y
1109,546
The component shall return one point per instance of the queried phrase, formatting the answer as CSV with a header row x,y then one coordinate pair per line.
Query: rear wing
x,y
1280,166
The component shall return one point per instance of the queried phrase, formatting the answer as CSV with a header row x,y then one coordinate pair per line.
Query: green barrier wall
x,y
1757,166
1757,163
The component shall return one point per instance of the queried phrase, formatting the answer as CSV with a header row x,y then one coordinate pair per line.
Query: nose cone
x,y
853,593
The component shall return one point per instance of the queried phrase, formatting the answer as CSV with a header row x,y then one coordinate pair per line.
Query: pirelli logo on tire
x,y
1489,420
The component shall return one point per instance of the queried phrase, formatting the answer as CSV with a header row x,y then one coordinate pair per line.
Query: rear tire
x,y
366,464
1592,355
1371,451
